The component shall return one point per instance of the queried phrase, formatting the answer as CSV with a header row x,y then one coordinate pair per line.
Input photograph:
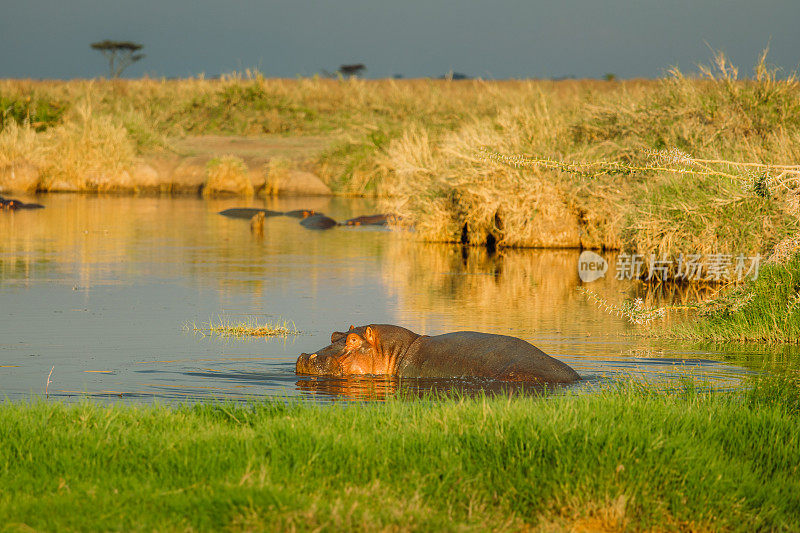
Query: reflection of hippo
x,y
7,204
382,387
381,349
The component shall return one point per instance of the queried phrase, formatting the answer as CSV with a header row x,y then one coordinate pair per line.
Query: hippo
x,y
308,217
249,212
384,349
300,213
369,220
318,221
8,204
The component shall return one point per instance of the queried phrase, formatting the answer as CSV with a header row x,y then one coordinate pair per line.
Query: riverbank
x,y
208,165
678,166
445,155
106,125
620,459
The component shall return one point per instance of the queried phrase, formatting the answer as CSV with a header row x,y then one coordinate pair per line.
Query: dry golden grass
x,y
574,170
277,174
86,152
227,174
359,116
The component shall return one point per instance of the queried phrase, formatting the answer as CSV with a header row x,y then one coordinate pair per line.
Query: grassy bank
x,y
617,194
763,310
619,459
358,117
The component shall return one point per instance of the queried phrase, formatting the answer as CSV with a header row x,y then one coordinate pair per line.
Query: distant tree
x,y
609,76
455,76
352,70
120,55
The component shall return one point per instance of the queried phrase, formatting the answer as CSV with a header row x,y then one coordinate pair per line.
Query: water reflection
x,y
379,388
100,287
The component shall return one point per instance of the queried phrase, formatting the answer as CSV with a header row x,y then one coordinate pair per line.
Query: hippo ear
x,y
352,326
369,334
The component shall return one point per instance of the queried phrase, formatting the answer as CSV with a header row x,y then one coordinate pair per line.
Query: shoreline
x,y
255,166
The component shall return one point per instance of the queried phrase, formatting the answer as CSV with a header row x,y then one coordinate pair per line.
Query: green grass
x,y
40,112
763,310
622,458
704,215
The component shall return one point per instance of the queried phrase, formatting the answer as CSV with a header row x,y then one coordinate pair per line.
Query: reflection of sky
x,y
502,38
100,288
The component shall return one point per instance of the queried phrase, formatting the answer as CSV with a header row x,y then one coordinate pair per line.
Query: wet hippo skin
x,y
383,349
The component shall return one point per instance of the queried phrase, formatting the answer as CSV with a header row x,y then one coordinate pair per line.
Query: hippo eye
x,y
353,340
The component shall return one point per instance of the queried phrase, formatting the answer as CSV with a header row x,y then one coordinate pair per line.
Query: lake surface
x,y
99,290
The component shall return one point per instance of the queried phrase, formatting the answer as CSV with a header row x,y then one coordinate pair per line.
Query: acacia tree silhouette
x,y
120,54
352,70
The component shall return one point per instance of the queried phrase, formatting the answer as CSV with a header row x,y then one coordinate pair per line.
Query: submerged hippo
x,y
369,220
382,349
9,204
318,221
308,217
249,212
300,213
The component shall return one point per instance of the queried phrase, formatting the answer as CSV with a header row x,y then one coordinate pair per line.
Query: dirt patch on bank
x,y
294,148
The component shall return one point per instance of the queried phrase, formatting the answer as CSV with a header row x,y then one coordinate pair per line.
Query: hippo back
x,y
474,354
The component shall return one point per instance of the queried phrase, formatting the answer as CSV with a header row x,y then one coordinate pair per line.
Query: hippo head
x,y
351,353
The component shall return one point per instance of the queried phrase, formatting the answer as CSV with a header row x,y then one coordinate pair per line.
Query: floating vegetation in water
x,y
249,326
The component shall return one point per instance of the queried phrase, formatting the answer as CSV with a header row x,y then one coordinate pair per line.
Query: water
x,y
99,289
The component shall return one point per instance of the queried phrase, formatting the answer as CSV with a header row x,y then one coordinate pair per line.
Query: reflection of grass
x,y
624,458
249,326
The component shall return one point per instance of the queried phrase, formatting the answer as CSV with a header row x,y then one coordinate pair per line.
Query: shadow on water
x,y
99,289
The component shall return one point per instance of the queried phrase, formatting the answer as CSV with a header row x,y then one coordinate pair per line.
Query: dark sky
x,y
491,39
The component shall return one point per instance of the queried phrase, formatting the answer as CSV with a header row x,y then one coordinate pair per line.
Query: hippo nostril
x,y
312,356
